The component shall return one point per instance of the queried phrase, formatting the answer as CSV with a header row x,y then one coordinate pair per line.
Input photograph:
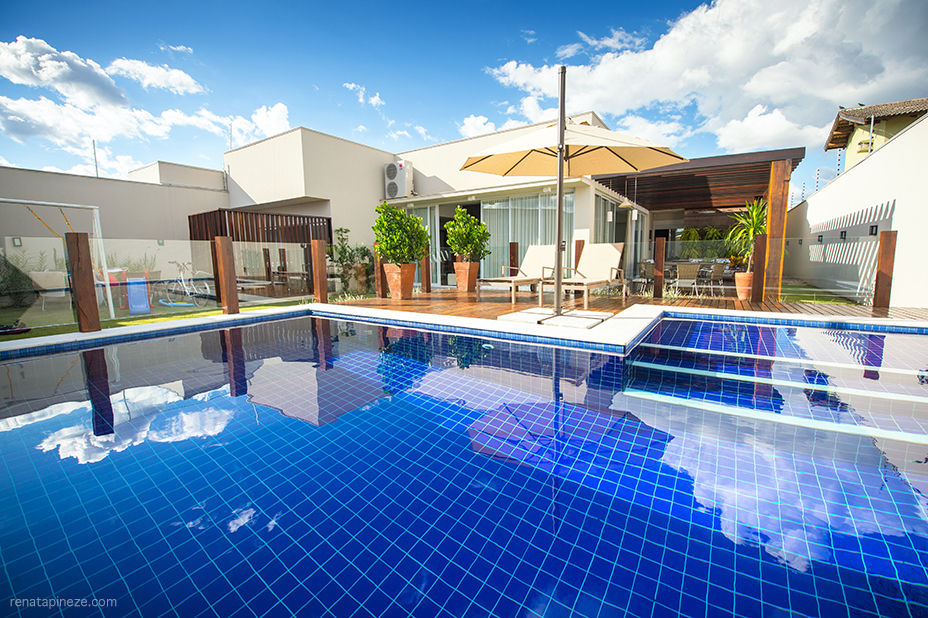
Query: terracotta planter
x,y
400,278
465,275
743,283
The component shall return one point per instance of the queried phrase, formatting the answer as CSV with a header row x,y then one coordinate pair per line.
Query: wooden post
x,y
380,279
425,273
97,381
224,268
777,199
320,279
83,292
886,255
659,244
760,258
513,256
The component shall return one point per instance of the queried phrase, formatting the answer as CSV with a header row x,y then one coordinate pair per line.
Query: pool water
x,y
333,468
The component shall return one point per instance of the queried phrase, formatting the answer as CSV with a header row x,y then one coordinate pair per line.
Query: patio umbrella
x,y
569,150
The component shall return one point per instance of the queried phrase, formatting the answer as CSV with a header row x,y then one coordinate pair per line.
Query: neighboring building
x,y
306,172
862,130
834,232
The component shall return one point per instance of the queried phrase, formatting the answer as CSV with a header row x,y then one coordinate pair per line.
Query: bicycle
x,y
195,289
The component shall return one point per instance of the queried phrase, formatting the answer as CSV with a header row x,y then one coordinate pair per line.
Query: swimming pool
x,y
327,467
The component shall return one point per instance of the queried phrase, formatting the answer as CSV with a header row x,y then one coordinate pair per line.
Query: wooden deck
x,y
494,303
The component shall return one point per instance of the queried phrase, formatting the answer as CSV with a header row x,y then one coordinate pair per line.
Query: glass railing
x,y
839,271
152,277
34,286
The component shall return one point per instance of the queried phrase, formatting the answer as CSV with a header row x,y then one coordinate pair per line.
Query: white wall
x,y
162,172
310,173
888,188
127,209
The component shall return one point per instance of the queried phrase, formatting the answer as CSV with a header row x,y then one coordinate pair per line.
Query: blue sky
x,y
166,80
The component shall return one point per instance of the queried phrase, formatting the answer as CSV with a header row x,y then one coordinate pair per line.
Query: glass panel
x,y
34,285
496,216
524,222
549,221
423,213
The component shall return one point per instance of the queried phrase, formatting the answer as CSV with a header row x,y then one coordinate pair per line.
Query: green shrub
x,y
748,224
401,238
467,236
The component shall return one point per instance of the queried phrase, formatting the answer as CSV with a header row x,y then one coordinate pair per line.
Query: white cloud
x,y
476,125
423,133
528,36
664,133
481,125
5,163
375,101
768,130
356,88
617,40
182,49
568,51
82,82
150,76
271,120
360,128
799,59
398,134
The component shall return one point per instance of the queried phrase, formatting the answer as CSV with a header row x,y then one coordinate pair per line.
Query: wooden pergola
x,y
712,187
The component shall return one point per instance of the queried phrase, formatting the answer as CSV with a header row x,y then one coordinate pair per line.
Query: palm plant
x,y
748,224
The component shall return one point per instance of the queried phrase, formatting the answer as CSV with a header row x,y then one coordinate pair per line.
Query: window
x,y
843,234
873,230
527,220
820,238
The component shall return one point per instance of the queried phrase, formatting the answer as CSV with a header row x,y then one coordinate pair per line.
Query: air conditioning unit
x,y
397,180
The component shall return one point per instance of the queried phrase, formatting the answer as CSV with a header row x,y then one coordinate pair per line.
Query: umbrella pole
x,y
559,217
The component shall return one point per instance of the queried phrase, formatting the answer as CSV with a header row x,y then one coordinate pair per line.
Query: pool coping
x,y
616,335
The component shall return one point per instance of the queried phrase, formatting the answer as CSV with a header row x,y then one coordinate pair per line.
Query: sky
x,y
183,82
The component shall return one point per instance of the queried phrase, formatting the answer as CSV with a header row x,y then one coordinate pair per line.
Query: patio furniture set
x,y
696,276
598,267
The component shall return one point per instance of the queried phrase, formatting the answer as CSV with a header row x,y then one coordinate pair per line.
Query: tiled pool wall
x,y
58,344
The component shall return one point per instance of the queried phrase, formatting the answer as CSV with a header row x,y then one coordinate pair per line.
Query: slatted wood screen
x,y
259,226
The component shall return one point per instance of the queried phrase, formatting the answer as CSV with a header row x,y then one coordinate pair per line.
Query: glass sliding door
x,y
496,215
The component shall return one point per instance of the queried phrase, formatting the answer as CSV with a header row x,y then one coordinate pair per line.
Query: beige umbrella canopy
x,y
588,150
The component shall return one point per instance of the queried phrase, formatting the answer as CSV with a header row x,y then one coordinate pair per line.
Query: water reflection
x,y
797,493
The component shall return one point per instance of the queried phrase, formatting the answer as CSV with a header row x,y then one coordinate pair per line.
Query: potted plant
x,y
402,240
748,224
468,238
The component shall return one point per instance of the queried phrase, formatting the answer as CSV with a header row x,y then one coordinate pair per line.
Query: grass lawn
x,y
802,293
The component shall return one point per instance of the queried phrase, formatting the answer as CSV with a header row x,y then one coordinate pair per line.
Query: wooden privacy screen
x,y
246,226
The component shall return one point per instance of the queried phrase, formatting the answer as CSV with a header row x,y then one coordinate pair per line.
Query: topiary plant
x,y
467,236
401,238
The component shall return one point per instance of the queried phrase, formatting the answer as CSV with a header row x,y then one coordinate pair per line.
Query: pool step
x,y
638,401
907,385
792,391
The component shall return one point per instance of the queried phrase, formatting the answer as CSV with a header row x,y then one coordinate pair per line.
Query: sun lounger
x,y
598,268
529,272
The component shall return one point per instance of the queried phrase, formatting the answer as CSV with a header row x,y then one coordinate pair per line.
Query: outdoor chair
x,y
645,276
529,272
714,276
686,277
598,267
51,284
